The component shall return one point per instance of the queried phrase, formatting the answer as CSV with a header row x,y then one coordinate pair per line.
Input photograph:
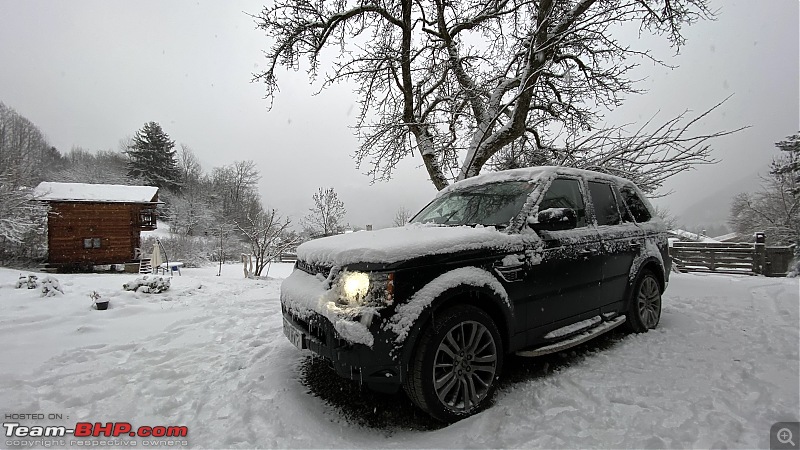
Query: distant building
x,y
96,224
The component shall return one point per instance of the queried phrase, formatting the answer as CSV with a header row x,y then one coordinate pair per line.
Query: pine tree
x,y
788,164
151,156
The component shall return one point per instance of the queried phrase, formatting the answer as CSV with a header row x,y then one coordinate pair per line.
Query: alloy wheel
x,y
464,366
649,302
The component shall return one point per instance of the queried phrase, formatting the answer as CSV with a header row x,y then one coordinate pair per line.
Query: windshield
x,y
487,204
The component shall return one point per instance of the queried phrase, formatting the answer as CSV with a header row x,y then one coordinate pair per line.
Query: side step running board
x,y
575,340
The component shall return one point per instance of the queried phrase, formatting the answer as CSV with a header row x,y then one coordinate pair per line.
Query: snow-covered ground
x,y
210,354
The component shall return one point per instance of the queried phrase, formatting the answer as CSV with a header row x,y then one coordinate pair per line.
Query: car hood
x,y
390,245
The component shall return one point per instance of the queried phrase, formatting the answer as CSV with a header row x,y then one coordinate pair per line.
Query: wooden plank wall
x,y
113,223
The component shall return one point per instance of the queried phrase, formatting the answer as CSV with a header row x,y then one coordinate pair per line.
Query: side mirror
x,y
554,219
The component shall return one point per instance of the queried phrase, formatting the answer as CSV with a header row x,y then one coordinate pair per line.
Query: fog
x,y
89,73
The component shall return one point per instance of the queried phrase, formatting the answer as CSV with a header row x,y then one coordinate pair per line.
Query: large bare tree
x,y
457,82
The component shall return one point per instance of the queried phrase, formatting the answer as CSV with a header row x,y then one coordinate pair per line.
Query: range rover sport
x,y
526,261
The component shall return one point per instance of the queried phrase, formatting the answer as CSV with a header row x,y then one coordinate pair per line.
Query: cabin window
x,y
91,242
147,217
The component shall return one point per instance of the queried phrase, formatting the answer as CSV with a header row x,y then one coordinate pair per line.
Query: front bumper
x,y
371,365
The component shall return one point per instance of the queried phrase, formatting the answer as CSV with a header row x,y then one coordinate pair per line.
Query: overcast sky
x,y
89,73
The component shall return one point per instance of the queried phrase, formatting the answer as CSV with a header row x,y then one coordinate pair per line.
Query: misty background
x,y
91,73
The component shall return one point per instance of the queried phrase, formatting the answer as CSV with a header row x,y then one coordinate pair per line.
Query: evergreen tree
x,y
151,156
789,163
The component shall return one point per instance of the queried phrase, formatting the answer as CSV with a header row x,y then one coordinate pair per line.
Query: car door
x,y
621,241
564,277
651,229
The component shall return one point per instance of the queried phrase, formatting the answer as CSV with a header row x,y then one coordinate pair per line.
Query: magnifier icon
x,y
784,436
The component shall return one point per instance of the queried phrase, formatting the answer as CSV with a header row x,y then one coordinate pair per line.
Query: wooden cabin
x,y
96,224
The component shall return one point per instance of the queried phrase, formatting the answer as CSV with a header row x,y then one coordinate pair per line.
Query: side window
x,y
565,193
626,213
605,204
635,204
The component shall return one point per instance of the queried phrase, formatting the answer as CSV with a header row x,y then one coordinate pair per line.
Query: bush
x,y
148,284
794,267
31,281
49,285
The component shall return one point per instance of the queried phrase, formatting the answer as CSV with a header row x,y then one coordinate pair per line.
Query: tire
x,y
456,364
644,306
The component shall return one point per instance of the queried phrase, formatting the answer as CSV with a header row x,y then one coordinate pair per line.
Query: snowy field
x,y
210,354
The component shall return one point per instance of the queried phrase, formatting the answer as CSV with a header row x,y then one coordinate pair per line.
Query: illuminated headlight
x,y
365,289
355,286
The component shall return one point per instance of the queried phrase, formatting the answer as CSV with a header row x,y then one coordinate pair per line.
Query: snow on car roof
x,y
528,174
106,193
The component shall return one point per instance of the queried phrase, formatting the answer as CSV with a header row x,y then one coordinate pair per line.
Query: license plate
x,y
294,335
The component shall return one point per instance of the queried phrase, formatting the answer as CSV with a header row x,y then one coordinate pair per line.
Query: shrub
x,y
148,284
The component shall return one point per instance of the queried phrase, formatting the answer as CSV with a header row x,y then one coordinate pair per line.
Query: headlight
x,y
355,286
363,289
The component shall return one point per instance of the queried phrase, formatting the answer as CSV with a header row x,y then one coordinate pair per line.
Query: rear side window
x,y
605,204
565,193
635,204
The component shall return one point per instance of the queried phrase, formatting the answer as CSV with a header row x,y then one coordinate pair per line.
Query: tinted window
x,y
605,205
486,204
565,193
635,204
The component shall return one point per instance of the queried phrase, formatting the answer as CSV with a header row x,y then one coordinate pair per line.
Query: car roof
x,y
533,173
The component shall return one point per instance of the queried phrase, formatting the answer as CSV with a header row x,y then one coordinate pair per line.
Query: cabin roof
x,y
95,193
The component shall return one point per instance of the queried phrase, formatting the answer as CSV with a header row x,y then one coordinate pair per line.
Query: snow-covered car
x,y
527,261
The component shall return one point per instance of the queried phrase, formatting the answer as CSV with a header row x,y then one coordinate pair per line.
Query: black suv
x,y
530,261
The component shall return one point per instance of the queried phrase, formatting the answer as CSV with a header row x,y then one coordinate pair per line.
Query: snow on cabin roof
x,y
103,193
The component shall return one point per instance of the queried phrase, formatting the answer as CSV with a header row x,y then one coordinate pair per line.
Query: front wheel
x,y
644,307
454,369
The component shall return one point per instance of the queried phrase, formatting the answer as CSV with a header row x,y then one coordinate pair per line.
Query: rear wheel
x,y
644,307
456,363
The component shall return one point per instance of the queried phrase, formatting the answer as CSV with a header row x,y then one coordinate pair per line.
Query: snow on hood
x,y
391,245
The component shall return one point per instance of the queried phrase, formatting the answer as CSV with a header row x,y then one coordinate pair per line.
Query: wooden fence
x,y
741,258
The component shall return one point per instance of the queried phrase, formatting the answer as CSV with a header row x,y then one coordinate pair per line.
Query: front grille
x,y
313,269
314,327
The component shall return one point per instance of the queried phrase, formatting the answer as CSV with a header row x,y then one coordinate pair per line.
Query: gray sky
x,y
89,73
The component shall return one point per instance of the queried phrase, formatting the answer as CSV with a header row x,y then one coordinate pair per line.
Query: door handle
x,y
587,252
635,244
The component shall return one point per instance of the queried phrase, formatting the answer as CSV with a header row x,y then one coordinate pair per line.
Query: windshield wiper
x,y
499,226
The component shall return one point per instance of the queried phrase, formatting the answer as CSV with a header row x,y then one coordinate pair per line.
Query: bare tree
x,y
83,166
22,149
459,81
189,166
23,223
325,218
189,212
775,209
401,217
269,236
666,216
235,188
